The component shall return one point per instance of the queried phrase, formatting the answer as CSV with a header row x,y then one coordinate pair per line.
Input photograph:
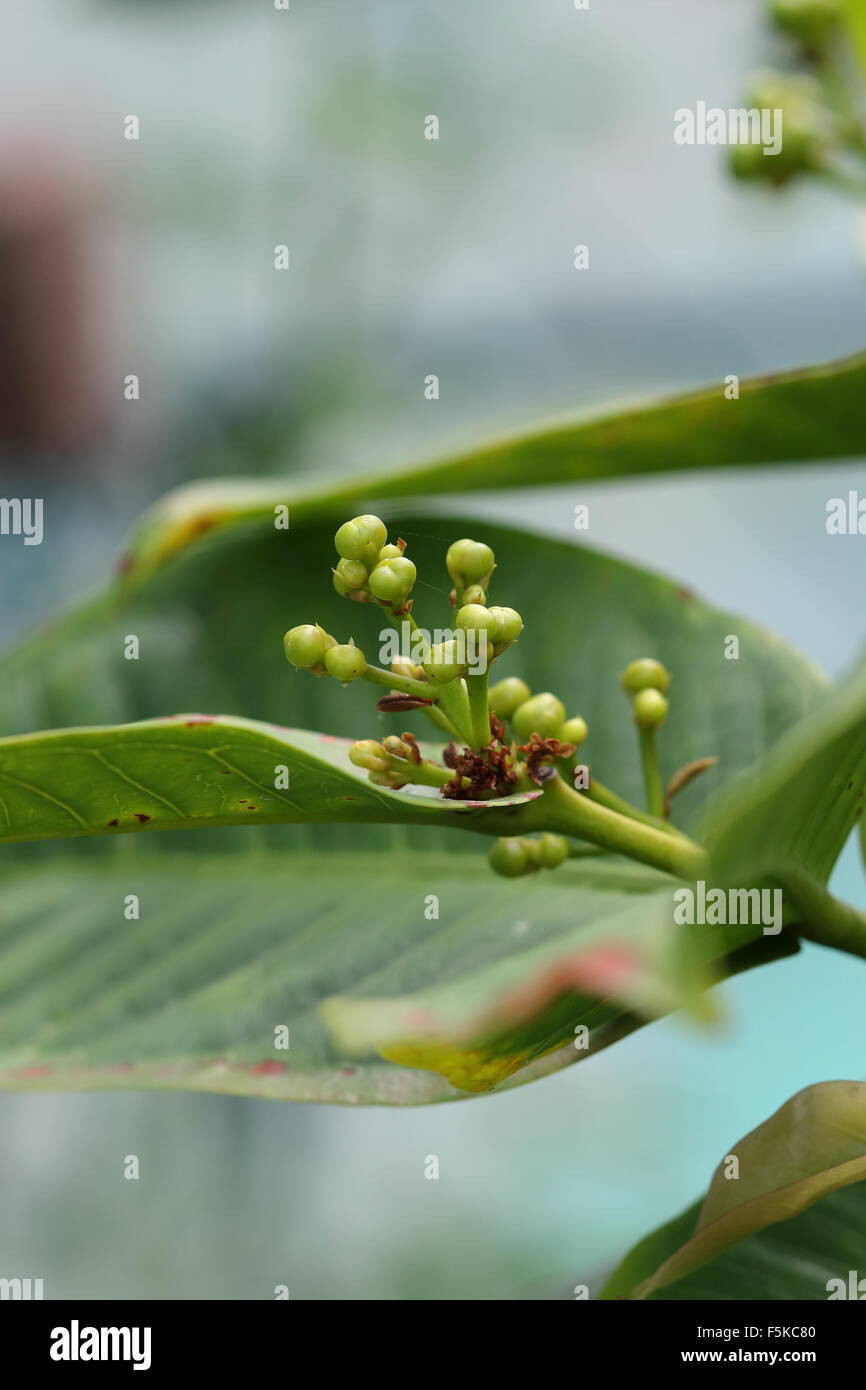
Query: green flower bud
x,y
390,552
650,708
407,668
540,714
506,695
469,562
369,754
389,779
305,646
551,850
807,129
443,665
353,573
345,663
391,581
645,674
475,616
509,626
476,593
509,858
574,731
355,537
395,747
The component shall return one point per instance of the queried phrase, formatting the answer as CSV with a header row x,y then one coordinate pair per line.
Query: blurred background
x,y
155,257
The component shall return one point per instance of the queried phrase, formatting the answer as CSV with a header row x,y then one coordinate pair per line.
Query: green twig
x,y
406,685
479,710
561,809
819,916
652,781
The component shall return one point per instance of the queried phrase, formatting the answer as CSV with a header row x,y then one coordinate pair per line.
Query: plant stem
x,y
652,781
452,700
455,703
424,774
597,791
406,685
413,627
479,710
561,809
436,716
819,916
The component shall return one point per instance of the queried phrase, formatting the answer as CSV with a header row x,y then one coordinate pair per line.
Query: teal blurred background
x,y
412,257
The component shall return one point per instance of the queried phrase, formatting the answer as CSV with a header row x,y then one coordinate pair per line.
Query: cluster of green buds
x,y
646,681
501,738
310,648
511,700
807,132
821,128
450,682
370,568
388,763
470,565
518,855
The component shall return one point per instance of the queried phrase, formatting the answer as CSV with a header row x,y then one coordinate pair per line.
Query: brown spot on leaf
x,y
141,816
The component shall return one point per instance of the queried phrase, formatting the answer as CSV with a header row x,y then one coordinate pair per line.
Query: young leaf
x,y
814,1145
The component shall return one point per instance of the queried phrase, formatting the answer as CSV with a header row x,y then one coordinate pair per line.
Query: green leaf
x,y
184,986
798,805
210,637
195,771
813,1146
782,418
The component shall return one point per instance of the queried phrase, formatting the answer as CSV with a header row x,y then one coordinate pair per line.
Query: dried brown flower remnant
x,y
538,750
487,771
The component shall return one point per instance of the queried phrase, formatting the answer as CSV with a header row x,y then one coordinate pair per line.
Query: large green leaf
x,y
170,774
210,638
811,414
175,971
209,633
812,1147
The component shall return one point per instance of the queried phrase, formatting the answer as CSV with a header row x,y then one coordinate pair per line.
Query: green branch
x,y
568,812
